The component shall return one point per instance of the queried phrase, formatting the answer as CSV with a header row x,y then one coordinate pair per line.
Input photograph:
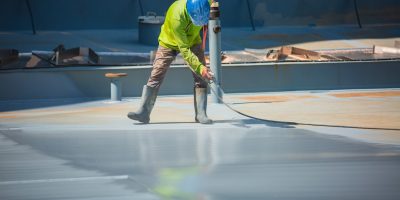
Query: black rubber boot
x,y
200,106
149,96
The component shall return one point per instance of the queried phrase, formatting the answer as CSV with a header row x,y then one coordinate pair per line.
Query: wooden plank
x,y
286,50
381,50
298,53
397,44
294,53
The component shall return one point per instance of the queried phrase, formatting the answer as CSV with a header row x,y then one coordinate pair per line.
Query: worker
x,y
180,33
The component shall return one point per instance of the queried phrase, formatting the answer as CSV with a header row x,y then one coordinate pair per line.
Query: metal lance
x,y
214,27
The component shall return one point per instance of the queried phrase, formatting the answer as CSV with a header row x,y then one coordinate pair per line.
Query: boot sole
x,y
144,121
210,122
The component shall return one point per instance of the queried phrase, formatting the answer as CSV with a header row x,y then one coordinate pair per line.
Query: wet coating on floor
x,y
91,150
254,162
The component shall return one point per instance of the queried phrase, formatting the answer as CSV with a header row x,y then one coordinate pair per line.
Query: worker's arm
x,y
184,48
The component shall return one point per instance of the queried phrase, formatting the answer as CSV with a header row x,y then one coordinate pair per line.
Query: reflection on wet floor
x,y
224,163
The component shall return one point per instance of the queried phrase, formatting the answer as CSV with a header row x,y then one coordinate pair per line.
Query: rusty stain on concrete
x,y
8,116
278,98
379,94
301,107
358,112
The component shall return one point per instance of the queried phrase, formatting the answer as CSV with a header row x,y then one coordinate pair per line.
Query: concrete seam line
x,y
122,177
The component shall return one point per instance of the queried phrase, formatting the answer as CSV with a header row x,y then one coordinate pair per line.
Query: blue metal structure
x,y
263,77
123,14
89,82
56,138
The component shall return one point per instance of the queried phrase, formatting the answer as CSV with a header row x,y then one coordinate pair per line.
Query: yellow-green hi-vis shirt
x,y
179,33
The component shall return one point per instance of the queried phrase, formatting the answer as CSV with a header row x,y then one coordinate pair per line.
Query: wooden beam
x,y
397,44
380,50
298,53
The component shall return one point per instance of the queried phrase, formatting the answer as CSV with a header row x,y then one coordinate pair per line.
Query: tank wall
x,y
91,83
122,14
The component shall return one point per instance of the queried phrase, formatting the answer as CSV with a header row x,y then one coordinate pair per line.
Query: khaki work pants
x,y
163,60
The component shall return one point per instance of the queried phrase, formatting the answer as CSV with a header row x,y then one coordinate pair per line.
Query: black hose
x,y
250,15
28,4
357,14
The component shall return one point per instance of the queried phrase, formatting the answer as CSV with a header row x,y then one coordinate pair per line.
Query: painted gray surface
x,y
90,81
253,161
123,14
311,76
215,56
39,85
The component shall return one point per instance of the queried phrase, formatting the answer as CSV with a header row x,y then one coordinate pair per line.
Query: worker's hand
x,y
207,74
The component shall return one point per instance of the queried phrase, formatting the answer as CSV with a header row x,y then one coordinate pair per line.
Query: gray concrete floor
x,y
90,150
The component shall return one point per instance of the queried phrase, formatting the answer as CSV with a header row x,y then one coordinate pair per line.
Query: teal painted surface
x,y
123,14
90,82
